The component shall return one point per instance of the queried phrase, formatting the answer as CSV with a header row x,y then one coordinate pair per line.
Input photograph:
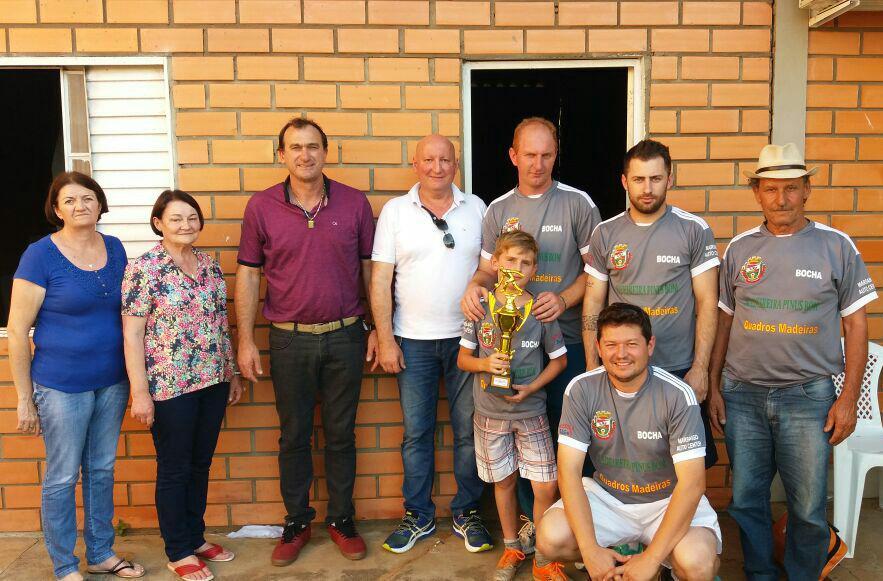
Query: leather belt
x,y
317,328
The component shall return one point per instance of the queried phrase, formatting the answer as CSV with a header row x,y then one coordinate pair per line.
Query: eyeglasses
x,y
441,224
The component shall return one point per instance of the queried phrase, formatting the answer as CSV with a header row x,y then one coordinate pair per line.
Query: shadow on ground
x,y
440,557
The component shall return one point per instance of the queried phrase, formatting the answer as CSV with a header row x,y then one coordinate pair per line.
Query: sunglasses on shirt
x,y
441,224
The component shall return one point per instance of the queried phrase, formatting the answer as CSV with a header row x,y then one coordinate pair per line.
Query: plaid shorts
x,y
502,446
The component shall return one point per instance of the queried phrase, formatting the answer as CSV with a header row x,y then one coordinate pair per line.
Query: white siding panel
x,y
125,161
130,143
128,125
131,147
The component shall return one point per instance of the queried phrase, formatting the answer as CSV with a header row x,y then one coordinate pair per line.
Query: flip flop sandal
x,y
121,565
182,570
212,553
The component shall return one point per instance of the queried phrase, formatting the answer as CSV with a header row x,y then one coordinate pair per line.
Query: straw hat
x,y
780,162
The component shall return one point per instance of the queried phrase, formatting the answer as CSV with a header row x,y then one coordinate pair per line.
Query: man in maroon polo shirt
x,y
313,237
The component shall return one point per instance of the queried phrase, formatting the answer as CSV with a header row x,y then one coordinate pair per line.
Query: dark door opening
x,y
32,150
589,106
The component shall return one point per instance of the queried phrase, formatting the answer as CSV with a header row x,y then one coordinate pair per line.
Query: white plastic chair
x,y
859,453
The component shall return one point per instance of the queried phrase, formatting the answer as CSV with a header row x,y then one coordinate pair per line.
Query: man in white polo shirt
x,y
430,239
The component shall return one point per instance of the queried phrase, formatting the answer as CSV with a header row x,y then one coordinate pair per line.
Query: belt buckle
x,y
321,328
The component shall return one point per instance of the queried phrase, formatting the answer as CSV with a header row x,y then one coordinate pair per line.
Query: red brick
x,y
695,67
836,95
19,472
858,225
370,96
493,41
679,40
689,200
338,12
737,147
141,12
312,95
742,40
830,200
71,11
737,200
872,43
379,462
556,41
257,513
871,201
19,12
524,13
239,95
711,13
204,11
757,13
304,40
412,12
648,13
687,147
462,13
432,41
368,40
709,121
858,174
664,67
872,96
205,123
587,13
629,40
268,68
833,42
23,447
820,69
818,122
209,68
701,174
740,95
663,121
171,40
238,40
20,520
253,467
397,124
398,69
756,121
47,40
222,492
269,11
869,122
870,148
859,69
678,95
842,148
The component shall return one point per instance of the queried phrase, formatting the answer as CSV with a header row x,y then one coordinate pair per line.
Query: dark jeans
x,y
772,429
710,447
576,364
185,432
426,362
304,366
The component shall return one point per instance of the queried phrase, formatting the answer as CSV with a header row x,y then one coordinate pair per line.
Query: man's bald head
x,y
435,162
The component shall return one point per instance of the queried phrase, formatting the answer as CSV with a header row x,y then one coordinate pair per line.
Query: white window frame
x,y
636,127
62,63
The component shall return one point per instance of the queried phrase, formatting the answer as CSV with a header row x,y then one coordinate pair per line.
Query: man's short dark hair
x,y
755,182
64,179
166,198
618,314
645,151
300,123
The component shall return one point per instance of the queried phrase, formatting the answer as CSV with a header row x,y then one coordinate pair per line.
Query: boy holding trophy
x,y
511,427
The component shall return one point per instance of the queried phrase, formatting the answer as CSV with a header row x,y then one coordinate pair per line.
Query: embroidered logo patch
x,y
603,425
621,256
512,224
486,335
565,430
753,269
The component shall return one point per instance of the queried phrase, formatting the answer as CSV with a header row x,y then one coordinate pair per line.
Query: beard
x,y
645,208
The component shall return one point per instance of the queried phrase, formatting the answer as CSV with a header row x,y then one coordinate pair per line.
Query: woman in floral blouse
x,y
180,364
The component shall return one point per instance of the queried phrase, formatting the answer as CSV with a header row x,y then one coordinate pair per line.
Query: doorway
x,y
33,152
591,103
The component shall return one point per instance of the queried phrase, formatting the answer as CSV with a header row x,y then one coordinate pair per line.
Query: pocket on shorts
x,y
820,391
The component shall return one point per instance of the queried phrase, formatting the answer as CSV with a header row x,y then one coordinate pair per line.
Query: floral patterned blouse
x,y
187,337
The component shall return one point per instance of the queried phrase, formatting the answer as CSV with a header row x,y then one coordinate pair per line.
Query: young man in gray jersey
x,y
641,427
786,287
664,260
561,218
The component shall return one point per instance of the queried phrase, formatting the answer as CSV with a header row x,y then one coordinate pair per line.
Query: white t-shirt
x,y
429,278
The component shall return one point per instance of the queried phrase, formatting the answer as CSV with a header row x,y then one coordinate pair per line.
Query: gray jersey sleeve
x,y
588,217
686,432
468,339
490,231
703,250
855,289
574,429
726,299
553,340
596,265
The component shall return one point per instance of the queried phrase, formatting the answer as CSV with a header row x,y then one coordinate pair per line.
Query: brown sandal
x,y
120,565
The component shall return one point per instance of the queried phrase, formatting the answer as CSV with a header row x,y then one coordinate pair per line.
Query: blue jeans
x,y
426,362
80,430
780,429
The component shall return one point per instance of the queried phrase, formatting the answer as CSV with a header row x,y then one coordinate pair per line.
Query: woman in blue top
x,y
74,391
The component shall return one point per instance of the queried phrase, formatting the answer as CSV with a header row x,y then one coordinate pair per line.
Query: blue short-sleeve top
x,y
78,334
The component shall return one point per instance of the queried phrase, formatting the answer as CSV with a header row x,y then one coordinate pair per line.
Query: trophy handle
x,y
527,308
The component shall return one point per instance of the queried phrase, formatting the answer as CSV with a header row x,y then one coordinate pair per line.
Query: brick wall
x,y
378,75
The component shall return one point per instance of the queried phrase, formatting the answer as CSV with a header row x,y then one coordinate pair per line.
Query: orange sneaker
x,y
554,571
507,566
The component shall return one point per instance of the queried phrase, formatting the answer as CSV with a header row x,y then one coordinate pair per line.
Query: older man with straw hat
x,y
785,287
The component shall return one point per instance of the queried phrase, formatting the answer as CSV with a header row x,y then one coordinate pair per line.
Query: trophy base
x,y
500,385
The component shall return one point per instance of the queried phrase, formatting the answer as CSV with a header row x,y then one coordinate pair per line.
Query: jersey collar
x,y
536,196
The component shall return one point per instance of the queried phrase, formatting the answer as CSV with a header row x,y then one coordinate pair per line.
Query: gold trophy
x,y
509,319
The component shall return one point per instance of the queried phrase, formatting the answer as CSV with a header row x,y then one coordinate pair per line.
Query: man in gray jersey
x,y
785,288
561,219
641,427
664,260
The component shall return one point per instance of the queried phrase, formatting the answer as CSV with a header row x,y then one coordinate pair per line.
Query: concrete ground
x,y
23,556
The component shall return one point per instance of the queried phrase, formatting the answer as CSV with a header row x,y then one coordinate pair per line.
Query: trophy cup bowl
x,y
508,319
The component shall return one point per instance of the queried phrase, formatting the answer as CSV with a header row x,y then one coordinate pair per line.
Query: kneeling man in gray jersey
x,y
641,427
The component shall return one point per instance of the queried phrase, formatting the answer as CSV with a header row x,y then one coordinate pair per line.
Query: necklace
x,y
311,218
87,256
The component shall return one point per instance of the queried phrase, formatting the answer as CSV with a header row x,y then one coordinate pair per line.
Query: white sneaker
x,y
528,536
